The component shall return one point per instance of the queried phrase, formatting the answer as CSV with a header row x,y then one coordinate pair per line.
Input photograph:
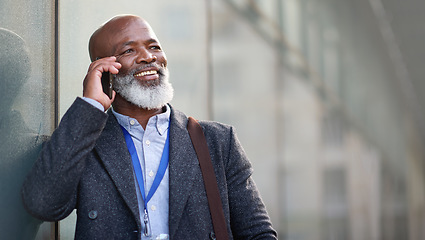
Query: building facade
x,y
310,86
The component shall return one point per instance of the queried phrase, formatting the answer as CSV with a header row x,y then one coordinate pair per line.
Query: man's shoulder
x,y
215,127
214,131
207,125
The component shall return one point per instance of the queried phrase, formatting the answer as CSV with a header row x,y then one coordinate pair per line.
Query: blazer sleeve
x,y
246,211
248,215
50,189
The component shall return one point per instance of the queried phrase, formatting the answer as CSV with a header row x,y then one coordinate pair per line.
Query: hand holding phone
x,y
101,89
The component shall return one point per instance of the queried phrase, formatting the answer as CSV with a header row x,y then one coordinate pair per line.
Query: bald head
x,y
104,40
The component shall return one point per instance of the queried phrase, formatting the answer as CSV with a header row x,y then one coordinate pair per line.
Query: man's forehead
x,y
125,41
132,34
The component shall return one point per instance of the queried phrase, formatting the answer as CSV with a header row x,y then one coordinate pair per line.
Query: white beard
x,y
145,96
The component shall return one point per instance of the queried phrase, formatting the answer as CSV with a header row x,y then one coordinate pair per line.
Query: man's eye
x,y
127,51
156,47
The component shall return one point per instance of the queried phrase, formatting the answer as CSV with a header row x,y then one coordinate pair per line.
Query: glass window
x,y
26,106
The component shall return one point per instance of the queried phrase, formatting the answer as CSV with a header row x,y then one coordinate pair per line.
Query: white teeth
x,y
145,73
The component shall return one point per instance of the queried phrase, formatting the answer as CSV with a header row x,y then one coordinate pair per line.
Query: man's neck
x,y
142,115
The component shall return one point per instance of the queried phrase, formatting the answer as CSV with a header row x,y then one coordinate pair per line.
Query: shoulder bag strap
x,y
214,201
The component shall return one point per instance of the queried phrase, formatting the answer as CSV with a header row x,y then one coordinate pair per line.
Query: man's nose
x,y
143,55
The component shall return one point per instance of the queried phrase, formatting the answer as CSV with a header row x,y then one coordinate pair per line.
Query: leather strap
x,y
214,201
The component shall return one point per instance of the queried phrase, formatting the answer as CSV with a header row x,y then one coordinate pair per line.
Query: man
x,y
87,164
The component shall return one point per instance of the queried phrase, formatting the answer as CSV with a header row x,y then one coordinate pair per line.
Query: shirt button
x,y
153,207
148,142
132,122
151,173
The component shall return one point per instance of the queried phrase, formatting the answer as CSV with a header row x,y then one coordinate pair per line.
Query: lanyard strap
x,y
138,169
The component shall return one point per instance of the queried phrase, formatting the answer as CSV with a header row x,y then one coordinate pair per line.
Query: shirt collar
x,y
160,121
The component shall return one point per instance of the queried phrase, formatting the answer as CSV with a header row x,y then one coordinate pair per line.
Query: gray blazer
x,y
86,166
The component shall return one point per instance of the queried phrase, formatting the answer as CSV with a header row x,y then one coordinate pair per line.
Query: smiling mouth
x,y
145,73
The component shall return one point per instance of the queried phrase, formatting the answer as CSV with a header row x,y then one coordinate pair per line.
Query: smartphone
x,y
107,83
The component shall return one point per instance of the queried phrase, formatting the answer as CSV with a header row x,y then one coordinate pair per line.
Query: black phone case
x,y
107,83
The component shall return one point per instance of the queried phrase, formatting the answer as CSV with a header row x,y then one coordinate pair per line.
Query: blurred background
x,y
326,97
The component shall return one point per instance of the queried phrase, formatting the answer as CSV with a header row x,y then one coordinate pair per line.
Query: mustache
x,y
161,68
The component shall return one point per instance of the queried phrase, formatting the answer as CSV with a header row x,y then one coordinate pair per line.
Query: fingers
x,y
107,64
92,86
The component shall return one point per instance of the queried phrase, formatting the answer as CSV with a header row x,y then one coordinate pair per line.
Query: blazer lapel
x,y
114,154
182,168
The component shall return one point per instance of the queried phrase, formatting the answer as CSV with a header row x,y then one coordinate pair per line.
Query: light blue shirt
x,y
149,145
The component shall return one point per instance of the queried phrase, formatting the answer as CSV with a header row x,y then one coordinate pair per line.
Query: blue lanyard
x,y
139,175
